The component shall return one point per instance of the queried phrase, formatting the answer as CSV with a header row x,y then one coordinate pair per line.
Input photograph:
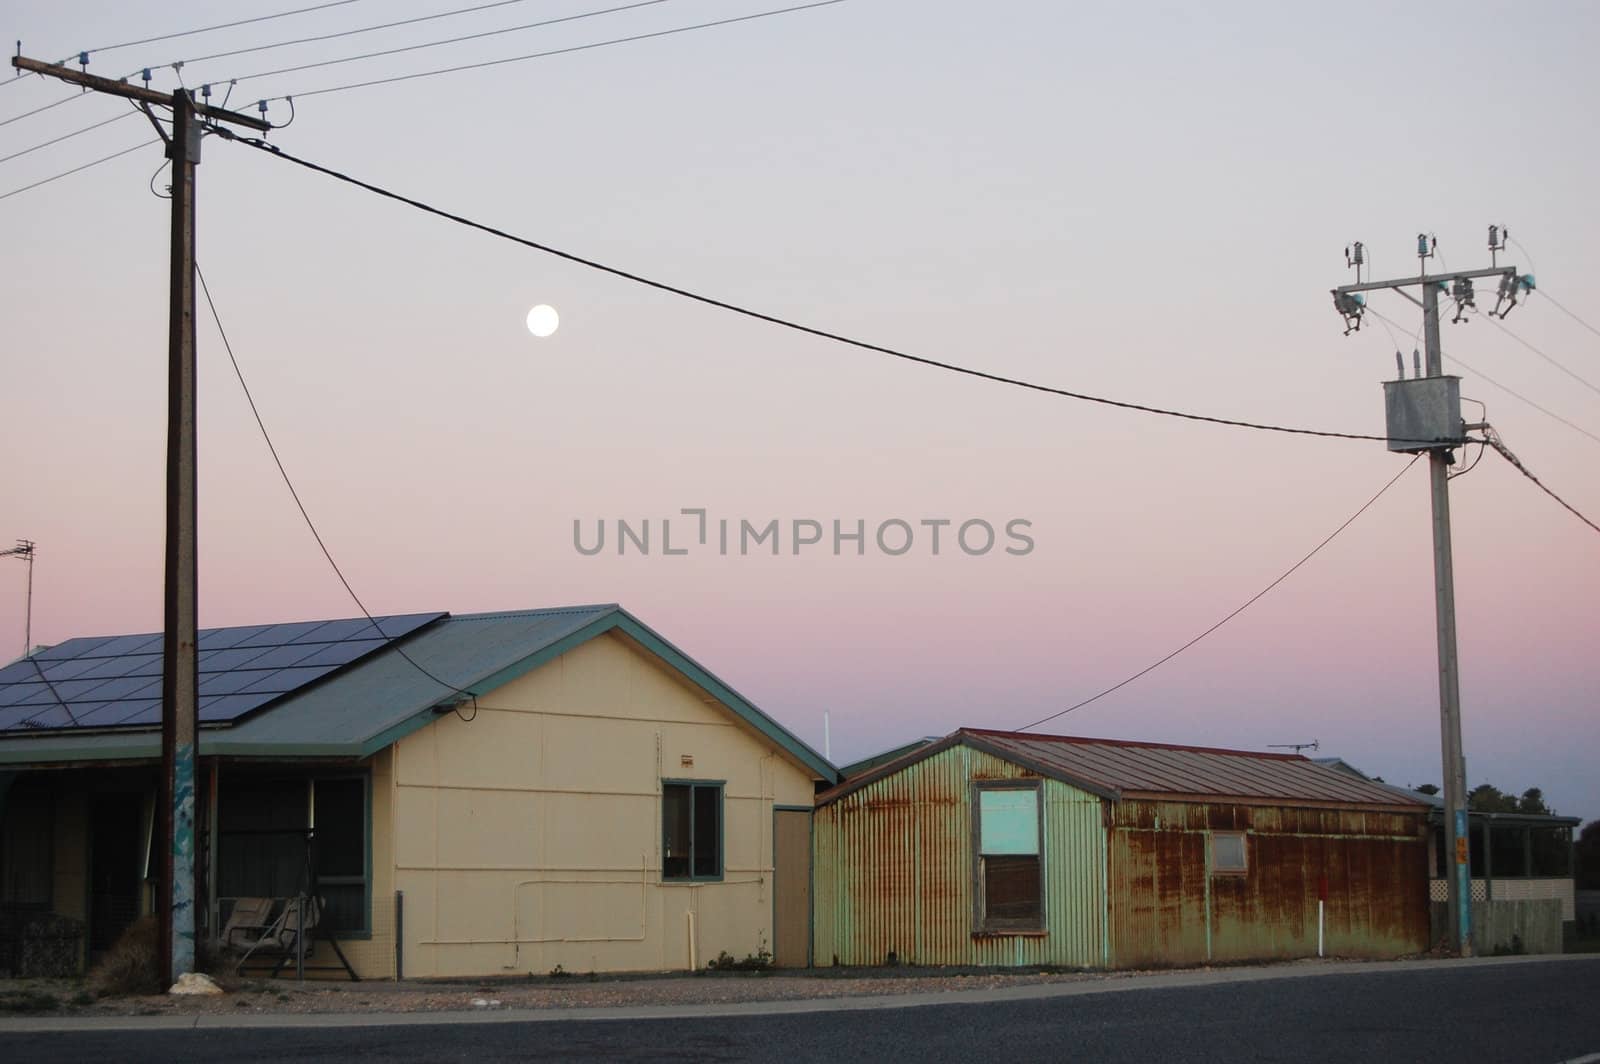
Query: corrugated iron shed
x,y
1117,769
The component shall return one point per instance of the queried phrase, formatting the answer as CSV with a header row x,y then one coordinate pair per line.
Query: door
x,y
114,872
791,895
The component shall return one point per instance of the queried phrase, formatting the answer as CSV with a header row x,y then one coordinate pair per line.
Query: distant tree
x,y
1487,798
1532,801
1588,856
1428,788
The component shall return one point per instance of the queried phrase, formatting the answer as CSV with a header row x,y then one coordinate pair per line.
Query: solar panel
x,y
115,681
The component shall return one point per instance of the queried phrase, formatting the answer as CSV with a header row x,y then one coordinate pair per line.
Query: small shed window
x,y
691,831
1010,874
1228,856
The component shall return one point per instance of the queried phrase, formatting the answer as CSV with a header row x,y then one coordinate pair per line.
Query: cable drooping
x,y
785,323
1247,604
301,506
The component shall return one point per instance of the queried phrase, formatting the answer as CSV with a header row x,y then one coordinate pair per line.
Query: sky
x,y
1143,202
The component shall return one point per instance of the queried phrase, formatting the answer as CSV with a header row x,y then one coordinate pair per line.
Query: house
x,y
1004,848
469,795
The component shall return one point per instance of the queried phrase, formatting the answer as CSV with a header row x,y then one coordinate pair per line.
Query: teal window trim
x,y
982,923
695,787
364,880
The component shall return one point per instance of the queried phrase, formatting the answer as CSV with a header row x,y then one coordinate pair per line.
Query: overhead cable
x,y
785,323
1251,601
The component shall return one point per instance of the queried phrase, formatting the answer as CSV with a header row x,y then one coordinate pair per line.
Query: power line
x,y
219,26
66,136
354,32
448,40
1568,313
41,110
1498,325
1247,604
785,323
78,169
564,51
1493,440
1496,384
301,506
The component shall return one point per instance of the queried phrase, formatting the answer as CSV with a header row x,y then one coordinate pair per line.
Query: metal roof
x,y
1117,769
371,703
115,681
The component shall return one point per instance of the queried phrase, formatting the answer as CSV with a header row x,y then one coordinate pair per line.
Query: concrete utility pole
x,y
180,679
1424,414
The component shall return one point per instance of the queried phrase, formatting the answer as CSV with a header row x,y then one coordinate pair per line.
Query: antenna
x,y
24,549
1296,747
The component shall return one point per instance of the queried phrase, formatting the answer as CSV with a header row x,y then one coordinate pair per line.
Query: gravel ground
x,y
68,997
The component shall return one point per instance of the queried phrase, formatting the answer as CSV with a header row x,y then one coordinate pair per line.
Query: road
x,y
1528,1011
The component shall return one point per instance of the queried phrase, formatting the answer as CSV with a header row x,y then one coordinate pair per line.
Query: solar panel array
x,y
106,682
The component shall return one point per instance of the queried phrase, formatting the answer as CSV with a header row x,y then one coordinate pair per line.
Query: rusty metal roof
x,y
1116,769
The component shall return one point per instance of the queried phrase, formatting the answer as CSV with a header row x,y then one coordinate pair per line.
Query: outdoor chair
x,y
247,922
282,938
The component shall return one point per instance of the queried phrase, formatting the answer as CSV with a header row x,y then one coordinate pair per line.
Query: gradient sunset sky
x,y
1146,202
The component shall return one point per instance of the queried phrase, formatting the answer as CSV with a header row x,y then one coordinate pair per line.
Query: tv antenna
x,y
24,549
1296,747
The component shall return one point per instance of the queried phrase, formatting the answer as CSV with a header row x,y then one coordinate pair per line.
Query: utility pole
x,y
24,550
175,902
1424,414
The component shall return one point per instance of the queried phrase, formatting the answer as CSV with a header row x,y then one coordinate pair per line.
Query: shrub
x,y
132,965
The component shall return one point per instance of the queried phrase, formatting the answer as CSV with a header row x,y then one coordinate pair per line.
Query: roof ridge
x,y
1087,740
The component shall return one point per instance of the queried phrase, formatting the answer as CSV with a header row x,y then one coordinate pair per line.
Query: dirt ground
x,y
59,997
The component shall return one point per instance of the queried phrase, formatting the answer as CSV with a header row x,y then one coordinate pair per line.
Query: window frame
x,y
1244,853
982,923
720,787
306,783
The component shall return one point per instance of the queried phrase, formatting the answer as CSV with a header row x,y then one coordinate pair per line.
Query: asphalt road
x,y
1543,1011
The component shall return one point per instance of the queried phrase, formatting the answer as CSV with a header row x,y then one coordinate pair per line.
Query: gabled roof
x,y
366,705
1115,769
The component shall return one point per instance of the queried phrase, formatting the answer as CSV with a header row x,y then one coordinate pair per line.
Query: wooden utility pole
x,y
180,678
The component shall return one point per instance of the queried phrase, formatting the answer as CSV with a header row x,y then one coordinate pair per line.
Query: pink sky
x,y
1149,204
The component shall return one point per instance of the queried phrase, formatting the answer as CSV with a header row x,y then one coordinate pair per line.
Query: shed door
x,y
791,895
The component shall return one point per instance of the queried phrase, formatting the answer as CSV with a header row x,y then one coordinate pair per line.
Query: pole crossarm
x,y
132,92
1430,278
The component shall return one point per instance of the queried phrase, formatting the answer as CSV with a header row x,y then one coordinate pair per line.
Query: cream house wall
x,y
529,835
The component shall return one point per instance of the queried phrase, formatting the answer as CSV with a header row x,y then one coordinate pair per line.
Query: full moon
x,y
543,320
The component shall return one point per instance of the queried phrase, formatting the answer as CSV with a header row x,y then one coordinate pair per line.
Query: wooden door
x,y
791,896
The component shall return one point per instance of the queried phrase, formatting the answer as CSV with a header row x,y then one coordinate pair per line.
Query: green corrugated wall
x,y
894,871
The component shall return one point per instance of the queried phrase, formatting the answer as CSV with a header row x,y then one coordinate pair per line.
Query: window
x,y
1228,853
1010,895
27,828
691,830
276,833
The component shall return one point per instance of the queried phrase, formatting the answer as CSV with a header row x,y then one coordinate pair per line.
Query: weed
x,y
28,1001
